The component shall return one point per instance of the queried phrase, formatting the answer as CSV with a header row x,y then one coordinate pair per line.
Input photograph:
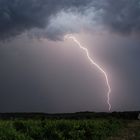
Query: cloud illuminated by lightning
x,y
70,36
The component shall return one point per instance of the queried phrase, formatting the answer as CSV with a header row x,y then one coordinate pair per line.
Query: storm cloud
x,y
121,16
19,16
53,18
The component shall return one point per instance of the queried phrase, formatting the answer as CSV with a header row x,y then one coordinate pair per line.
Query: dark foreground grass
x,y
98,129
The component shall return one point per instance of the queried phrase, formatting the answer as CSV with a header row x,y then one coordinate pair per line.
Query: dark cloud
x,y
121,16
17,16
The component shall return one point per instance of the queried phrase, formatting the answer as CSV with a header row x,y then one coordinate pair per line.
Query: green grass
x,y
98,129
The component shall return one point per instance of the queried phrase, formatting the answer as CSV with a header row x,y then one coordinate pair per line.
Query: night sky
x,y
42,72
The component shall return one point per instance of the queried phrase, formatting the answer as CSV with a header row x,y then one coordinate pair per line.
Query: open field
x,y
130,132
66,127
58,129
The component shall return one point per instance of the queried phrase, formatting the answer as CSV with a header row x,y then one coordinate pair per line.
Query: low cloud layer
x,y
18,16
53,18
121,16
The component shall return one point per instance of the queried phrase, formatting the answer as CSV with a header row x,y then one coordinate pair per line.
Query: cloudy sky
x,y
42,72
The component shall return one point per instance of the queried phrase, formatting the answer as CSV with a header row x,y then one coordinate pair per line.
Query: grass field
x,y
98,129
73,126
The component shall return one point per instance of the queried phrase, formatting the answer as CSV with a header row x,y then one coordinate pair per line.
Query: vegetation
x,y
61,129
70,126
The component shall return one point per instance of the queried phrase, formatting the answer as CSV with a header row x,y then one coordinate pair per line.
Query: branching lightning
x,y
70,36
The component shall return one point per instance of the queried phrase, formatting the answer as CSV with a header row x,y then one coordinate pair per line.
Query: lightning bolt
x,y
70,36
